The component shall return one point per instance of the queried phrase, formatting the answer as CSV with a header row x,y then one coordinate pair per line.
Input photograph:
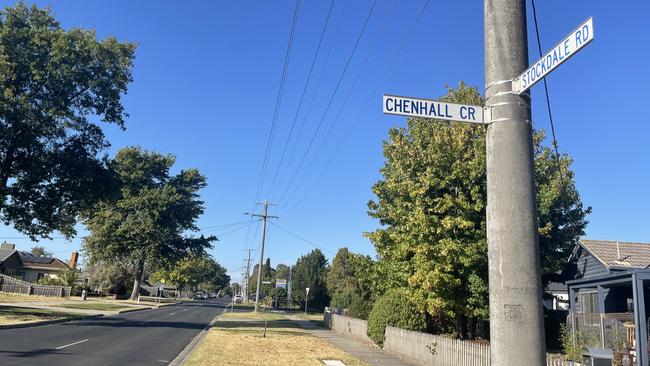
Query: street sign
x,y
266,282
556,56
427,108
281,283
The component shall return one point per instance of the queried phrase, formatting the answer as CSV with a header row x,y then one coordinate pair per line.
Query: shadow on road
x,y
126,323
33,353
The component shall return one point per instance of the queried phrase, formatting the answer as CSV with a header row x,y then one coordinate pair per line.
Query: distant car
x,y
200,296
237,298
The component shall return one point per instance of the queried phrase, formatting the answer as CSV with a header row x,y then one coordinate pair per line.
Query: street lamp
x,y
306,298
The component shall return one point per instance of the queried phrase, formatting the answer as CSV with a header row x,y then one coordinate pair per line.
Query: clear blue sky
x,y
207,75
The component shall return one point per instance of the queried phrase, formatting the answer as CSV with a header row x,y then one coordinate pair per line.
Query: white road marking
x,y
172,314
72,344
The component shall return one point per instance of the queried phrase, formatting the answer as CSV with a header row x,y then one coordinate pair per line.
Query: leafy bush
x,y
360,308
572,345
394,308
342,299
278,293
112,278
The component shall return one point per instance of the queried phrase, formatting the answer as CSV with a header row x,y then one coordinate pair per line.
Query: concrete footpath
x,y
361,350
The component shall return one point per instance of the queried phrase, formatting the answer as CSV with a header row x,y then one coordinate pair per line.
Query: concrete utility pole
x,y
248,271
265,216
289,287
516,316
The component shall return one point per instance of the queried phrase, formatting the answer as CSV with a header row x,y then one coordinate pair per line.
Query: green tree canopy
x,y
40,251
431,206
310,271
268,274
149,217
281,272
194,271
350,278
111,278
53,85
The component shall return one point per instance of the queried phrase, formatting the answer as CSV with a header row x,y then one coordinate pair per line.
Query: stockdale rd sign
x,y
427,108
553,58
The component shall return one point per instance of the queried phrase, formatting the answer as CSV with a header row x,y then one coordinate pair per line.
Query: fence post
x,y
602,330
30,290
573,328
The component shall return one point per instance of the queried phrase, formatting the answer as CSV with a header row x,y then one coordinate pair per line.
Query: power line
x,y
304,91
367,102
224,225
301,238
563,182
269,142
329,103
278,102
318,83
234,230
354,83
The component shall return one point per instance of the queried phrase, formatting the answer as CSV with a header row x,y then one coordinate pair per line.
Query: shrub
x,y
342,299
360,308
394,308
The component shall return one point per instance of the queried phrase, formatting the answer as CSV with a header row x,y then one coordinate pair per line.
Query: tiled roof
x,y
632,255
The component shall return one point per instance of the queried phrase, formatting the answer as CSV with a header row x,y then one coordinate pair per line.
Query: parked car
x,y
200,296
237,299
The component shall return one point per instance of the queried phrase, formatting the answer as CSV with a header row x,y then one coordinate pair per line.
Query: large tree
x,y
147,221
55,84
431,206
40,251
350,272
267,275
194,272
310,271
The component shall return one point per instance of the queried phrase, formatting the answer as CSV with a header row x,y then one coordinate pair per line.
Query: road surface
x,y
148,337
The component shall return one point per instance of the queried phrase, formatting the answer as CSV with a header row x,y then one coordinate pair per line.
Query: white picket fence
x,y
425,349
429,349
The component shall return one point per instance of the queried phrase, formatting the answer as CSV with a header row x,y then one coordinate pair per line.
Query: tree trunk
x,y
461,326
138,278
472,327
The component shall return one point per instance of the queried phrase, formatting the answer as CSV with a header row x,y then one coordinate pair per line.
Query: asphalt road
x,y
147,337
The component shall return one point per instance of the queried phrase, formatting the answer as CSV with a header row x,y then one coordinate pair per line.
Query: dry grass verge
x,y
16,315
251,315
11,297
241,343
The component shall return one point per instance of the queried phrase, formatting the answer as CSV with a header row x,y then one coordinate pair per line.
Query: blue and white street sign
x,y
427,108
553,58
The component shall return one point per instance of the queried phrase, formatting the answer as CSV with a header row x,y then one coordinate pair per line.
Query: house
x,y
608,284
556,296
28,267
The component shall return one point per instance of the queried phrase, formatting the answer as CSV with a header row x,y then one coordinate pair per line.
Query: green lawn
x,y
92,306
18,315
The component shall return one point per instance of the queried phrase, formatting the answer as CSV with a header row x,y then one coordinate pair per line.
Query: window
x,y
589,302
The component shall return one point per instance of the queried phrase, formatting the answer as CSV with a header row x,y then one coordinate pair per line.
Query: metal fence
x,y
615,331
14,285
